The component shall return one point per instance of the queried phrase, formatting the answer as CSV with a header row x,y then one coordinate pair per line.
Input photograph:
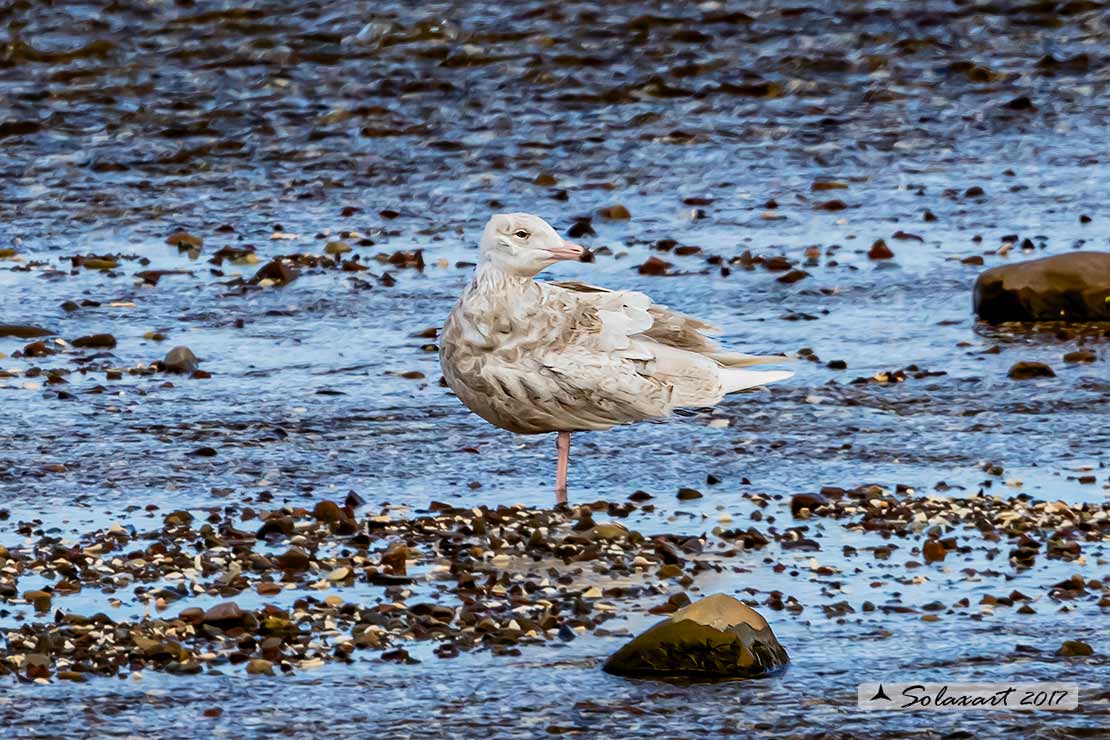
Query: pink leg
x,y
562,442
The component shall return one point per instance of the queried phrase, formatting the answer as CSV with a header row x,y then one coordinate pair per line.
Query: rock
x,y
294,560
880,251
39,599
687,494
100,263
716,637
260,667
1072,648
180,518
1065,287
277,272
151,277
276,524
654,266
180,360
933,551
1030,370
810,501
328,512
581,227
37,349
23,331
224,616
1080,355
607,531
669,571
792,277
1022,102
192,615
100,341
183,240
615,212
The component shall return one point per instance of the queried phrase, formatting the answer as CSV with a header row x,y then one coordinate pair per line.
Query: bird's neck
x,y
490,278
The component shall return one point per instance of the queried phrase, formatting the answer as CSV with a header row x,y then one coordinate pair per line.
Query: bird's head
x,y
523,244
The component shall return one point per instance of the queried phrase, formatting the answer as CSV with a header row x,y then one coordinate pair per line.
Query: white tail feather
x,y
735,379
739,359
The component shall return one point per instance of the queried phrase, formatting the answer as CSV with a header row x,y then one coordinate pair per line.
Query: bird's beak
x,y
571,251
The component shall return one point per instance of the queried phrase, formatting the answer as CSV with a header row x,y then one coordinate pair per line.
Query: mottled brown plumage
x,y
536,357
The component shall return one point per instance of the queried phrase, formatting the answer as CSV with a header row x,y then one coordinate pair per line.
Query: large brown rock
x,y
1066,287
23,331
277,271
716,637
180,360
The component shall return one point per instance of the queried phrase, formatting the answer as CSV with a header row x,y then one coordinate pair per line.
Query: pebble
x,y
99,341
23,331
180,360
1030,370
277,272
934,551
880,251
615,213
183,240
260,667
1082,355
1075,648
654,266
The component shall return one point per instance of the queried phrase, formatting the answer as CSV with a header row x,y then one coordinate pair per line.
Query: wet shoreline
x,y
761,152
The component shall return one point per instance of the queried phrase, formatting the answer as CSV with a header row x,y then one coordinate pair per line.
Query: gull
x,y
539,357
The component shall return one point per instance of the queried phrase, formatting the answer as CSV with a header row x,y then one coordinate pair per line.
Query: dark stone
x,y
224,616
1081,355
1072,648
716,637
180,360
581,227
811,501
615,213
328,512
23,331
792,277
100,341
934,551
1030,370
276,524
183,240
1066,287
192,615
880,251
654,266
294,560
277,270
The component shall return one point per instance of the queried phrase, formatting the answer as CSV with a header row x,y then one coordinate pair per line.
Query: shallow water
x,y
124,122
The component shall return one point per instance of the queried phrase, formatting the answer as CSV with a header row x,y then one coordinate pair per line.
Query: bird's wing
x,y
676,329
604,375
627,359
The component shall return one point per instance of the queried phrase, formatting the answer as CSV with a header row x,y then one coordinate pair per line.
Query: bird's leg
x,y
562,442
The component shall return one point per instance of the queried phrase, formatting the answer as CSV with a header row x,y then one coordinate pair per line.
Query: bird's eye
x,y
520,234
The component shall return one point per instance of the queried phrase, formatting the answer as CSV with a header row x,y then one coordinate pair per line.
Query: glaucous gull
x,y
535,357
